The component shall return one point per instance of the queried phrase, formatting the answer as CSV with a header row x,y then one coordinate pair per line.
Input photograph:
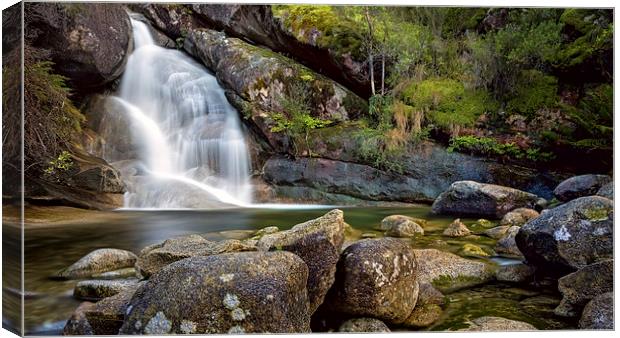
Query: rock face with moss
x,y
580,186
570,236
318,243
469,198
219,294
375,278
264,80
258,23
449,272
89,43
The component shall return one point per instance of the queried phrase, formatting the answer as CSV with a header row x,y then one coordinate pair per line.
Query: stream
x,y
54,246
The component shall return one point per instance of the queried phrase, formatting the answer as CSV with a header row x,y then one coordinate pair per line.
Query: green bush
x,y
490,147
447,103
534,90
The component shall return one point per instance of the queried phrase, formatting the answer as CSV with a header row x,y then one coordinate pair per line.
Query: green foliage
x,y
373,149
59,165
594,116
490,147
447,103
533,91
593,30
296,120
53,121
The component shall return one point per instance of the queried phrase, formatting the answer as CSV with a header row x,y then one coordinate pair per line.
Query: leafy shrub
x,y
447,104
534,90
59,165
490,147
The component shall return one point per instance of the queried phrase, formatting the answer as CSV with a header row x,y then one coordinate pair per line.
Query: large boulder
x,y
583,285
428,308
569,236
156,256
98,261
227,293
449,272
580,186
89,43
262,81
375,278
257,23
469,198
598,314
318,243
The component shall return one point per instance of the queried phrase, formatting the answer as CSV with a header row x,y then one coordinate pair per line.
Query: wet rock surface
x,y
107,315
457,229
515,273
98,261
244,292
570,236
469,198
94,290
376,278
78,325
507,245
606,191
580,186
519,216
317,242
598,314
449,272
583,285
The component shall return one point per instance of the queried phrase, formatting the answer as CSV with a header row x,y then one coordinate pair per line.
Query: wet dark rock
x,y
456,229
107,315
97,289
375,278
317,242
448,272
580,186
428,308
607,191
469,198
226,293
507,245
155,257
498,324
515,273
519,216
78,325
116,274
570,236
583,285
363,325
88,44
598,314
98,261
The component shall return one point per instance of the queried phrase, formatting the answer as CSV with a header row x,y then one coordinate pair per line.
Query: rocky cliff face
x,y
88,43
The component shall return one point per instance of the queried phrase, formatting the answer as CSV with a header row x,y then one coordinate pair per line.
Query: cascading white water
x,y
191,144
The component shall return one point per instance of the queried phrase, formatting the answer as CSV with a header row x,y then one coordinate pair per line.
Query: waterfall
x,y
191,146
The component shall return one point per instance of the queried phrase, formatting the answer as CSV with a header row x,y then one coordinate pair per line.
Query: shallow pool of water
x,y
52,247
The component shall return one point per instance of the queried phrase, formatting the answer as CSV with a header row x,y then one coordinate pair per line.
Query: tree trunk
x,y
371,63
